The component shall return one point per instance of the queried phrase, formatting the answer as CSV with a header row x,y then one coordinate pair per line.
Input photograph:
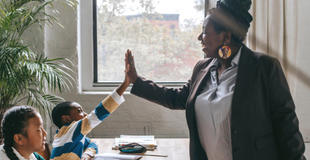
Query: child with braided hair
x,y
23,134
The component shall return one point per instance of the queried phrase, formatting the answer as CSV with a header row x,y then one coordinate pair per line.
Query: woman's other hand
x,y
131,73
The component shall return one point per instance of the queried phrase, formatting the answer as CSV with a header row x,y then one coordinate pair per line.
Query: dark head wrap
x,y
234,16
240,8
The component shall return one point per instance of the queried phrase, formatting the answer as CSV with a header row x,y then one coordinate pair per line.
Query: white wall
x,y
137,116
302,96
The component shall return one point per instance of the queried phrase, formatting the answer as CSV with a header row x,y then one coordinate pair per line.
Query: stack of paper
x,y
148,141
113,156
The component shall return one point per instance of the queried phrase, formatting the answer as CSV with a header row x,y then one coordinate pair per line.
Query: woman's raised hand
x,y
131,73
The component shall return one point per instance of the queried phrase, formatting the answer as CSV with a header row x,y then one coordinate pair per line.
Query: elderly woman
x,y
238,105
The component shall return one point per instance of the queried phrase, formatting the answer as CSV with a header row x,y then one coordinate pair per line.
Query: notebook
x,y
114,156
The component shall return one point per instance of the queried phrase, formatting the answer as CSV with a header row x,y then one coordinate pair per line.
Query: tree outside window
x,y
162,35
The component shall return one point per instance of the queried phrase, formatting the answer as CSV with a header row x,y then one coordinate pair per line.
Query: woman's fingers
x,y
131,59
133,62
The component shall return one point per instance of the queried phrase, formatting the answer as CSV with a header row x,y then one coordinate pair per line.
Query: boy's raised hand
x,y
131,73
127,67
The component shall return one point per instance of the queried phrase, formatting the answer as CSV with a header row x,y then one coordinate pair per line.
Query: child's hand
x,y
127,68
131,73
86,157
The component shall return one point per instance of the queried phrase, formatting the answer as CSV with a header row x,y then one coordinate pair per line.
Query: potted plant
x,y
26,75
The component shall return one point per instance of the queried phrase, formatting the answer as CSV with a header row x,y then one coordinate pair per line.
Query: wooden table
x,y
175,148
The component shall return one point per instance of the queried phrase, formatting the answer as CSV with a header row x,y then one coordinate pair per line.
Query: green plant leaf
x,y
27,76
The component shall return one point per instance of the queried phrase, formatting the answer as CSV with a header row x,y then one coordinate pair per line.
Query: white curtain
x,y
274,30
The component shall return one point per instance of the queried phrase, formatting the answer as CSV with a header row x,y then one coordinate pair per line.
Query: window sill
x,y
101,93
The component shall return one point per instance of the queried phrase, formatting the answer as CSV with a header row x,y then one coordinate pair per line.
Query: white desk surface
x,y
175,148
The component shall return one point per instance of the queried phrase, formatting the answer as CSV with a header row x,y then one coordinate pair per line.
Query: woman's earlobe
x,y
227,37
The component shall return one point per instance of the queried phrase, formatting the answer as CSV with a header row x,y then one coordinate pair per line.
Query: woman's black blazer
x,y
264,124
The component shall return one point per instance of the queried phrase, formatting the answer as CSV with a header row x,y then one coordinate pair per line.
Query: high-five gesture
x,y
131,73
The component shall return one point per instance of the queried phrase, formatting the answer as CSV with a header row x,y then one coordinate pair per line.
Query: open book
x,y
114,156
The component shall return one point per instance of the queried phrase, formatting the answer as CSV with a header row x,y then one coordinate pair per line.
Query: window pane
x,y
162,35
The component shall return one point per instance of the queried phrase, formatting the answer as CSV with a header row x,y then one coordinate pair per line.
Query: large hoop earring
x,y
224,52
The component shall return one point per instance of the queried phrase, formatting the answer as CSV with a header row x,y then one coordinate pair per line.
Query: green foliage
x,y
199,5
25,74
156,49
161,53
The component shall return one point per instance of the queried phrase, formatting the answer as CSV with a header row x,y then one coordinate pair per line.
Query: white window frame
x,y
86,53
85,40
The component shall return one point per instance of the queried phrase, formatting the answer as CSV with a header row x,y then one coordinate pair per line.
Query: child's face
x,y
76,112
36,135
